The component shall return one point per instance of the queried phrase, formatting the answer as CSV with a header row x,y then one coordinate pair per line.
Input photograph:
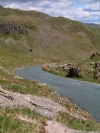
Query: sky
x,y
87,11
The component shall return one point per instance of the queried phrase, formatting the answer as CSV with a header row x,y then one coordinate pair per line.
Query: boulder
x,y
91,63
94,54
97,65
74,72
96,74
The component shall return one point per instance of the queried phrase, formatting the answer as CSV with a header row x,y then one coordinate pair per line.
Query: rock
x,y
18,77
69,64
33,27
42,84
91,63
10,41
46,66
1,67
26,119
96,74
44,106
49,66
8,28
23,31
57,127
97,70
91,70
74,72
65,68
97,65
94,54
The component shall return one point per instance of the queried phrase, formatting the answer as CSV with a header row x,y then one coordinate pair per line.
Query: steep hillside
x,y
33,35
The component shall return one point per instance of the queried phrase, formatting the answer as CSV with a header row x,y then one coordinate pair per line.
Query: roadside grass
x,y
78,124
34,88
9,121
87,69
25,87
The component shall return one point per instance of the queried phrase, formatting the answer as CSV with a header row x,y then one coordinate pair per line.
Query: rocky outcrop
x,y
94,54
48,67
96,74
32,27
57,127
44,106
70,70
97,65
97,70
8,28
74,72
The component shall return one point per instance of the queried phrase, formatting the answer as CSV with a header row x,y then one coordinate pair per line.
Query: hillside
x,y
48,38
30,38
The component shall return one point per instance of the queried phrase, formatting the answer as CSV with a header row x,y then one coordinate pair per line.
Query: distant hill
x,y
92,24
34,35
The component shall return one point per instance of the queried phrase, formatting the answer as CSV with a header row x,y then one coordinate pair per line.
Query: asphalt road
x,y
86,95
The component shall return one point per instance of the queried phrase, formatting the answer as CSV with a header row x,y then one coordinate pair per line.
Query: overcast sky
x,y
81,10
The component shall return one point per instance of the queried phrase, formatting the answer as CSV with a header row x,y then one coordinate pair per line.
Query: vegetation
x,y
50,39
86,65
9,121
78,124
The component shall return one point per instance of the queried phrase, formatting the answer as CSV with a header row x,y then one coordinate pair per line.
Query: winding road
x,y
86,95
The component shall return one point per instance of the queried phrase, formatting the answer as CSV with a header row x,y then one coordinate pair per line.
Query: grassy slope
x,y
54,40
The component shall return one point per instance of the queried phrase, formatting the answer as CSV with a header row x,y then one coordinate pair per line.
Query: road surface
x,y
86,95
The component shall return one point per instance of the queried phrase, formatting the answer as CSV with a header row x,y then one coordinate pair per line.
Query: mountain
x,y
92,24
37,35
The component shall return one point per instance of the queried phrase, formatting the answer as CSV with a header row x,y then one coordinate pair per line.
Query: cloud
x,y
92,7
88,1
81,10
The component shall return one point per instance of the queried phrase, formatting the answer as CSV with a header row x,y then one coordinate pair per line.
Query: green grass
x,y
26,87
32,87
9,123
78,124
87,70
